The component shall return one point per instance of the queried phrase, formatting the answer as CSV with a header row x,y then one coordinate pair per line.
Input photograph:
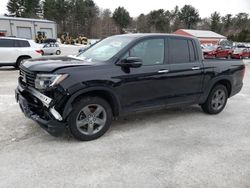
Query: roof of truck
x,y
140,35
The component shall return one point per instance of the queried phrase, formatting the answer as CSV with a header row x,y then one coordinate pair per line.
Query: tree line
x,y
84,17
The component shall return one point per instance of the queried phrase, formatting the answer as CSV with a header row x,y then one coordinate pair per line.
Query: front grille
x,y
27,77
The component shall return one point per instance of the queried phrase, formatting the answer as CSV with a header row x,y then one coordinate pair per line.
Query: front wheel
x,y
58,52
90,119
216,100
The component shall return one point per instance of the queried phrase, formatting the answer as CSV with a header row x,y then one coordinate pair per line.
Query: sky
x,y
136,7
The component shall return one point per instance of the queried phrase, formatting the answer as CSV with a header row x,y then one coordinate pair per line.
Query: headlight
x,y
44,81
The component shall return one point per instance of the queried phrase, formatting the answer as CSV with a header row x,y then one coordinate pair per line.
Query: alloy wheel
x,y
91,119
218,99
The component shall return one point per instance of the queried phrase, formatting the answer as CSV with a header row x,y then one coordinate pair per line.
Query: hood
x,y
50,64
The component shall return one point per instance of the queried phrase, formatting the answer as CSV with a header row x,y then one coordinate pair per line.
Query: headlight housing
x,y
44,81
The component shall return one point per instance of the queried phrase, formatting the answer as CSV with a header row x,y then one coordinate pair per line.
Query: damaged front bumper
x,y
39,108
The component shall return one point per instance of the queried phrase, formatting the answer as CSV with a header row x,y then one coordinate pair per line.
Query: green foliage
x,y
215,22
243,36
159,20
121,17
175,19
189,16
143,25
24,8
13,7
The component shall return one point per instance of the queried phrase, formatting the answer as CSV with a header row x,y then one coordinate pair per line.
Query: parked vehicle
x,y
217,52
121,75
13,51
51,49
49,40
240,52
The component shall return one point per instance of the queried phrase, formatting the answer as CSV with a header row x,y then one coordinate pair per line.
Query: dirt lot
x,y
169,148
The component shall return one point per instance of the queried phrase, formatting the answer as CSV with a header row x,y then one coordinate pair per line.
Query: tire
x,y
20,60
42,52
229,56
86,123
213,104
58,52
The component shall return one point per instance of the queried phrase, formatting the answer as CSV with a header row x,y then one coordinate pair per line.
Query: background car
x,y
240,52
51,49
217,52
13,51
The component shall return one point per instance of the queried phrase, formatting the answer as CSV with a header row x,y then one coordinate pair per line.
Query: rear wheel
x,y
228,56
216,100
20,60
58,52
90,119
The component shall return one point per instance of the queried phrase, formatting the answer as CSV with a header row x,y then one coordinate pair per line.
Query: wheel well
x,y
104,95
227,84
23,56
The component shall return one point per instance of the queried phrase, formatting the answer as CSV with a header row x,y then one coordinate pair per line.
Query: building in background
x,y
205,37
27,28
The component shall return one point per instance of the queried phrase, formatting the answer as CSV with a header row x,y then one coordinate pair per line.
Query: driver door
x,y
145,86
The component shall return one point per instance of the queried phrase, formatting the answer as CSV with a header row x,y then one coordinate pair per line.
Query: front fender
x,y
69,104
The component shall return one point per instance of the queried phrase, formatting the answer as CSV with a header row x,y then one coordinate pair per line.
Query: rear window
x,y
6,43
181,51
21,43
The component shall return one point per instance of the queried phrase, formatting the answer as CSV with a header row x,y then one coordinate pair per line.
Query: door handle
x,y
163,71
196,68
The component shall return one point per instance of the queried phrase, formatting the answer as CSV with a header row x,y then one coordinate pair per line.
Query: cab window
x,y
181,51
151,51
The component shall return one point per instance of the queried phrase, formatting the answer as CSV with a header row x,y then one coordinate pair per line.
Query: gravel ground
x,y
181,147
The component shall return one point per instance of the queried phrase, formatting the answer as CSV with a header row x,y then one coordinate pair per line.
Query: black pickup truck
x,y
121,75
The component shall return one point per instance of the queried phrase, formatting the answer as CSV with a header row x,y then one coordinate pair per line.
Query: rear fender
x,y
208,88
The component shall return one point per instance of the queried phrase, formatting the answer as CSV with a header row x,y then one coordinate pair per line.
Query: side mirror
x,y
130,62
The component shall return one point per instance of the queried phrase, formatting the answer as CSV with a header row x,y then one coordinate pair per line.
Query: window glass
x,y
191,51
179,51
21,43
105,49
6,43
150,51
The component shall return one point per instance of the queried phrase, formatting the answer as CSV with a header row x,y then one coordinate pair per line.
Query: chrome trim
x,y
55,114
43,98
163,71
196,68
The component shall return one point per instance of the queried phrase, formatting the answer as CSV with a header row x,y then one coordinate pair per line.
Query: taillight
x,y
39,51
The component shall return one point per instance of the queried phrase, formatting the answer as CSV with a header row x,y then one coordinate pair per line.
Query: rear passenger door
x,y
8,52
185,76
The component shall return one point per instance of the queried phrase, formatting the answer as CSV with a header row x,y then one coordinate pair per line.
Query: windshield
x,y
105,49
210,48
